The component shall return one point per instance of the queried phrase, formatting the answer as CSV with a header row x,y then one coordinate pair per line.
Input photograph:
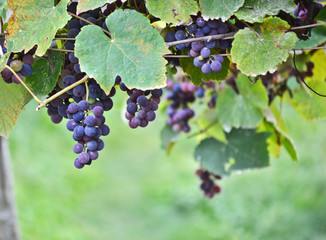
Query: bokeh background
x,y
134,191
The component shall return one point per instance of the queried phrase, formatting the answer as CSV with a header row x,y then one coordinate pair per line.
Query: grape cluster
x,y
301,11
21,64
141,107
178,111
87,130
201,51
208,185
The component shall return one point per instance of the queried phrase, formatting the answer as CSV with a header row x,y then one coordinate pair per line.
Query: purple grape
x,y
143,123
90,121
200,92
193,53
181,47
79,131
132,108
197,46
192,28
200,22
150,116
129,116
197,62
78,148
142,101
141,114
62,110
224,44
100,144
79,91
83,158
157,93
206,68
93,155
98,111
211,44
199,33
72,58
105,129
154,106
205,52
206,29
68,80
218,58
27,70
180,35
15,79
78,164
170,37
83,105
71,124
90,131
92,145
222,28
28,59
56,118
216,66
6,75
77,68
78,116
213,23
72,33
94,91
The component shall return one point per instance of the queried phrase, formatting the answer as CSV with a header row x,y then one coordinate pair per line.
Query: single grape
x,y
56,118
72,58
197,62
213,23
78,164
135,122
197,46
16,65
78,116
180,35
105,129
15,79
90,131
199,33
90,121
79,91
70,45
92,145
71,124
93,155
100,144
62,110
192,28
78,148
222,28
83,158
132,108
28,59
218,58
206,68
150,116
72,108
205,52
142,101
193,53
72,33
74,23
98,111
216,66
77,68
79,131
170,37
143,123
200,92
27,70
206,29
68,80
200,22
94,91
6,75
83,105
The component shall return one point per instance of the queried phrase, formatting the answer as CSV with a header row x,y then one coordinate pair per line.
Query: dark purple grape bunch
x,y
208,185
301,11
201,50
178,111
22,66
87,126
141,105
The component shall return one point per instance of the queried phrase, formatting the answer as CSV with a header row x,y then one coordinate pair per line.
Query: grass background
x,y
134,191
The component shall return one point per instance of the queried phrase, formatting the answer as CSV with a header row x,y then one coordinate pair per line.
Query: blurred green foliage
x,y
134,191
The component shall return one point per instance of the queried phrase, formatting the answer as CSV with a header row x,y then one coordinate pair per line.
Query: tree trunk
x,y
8,213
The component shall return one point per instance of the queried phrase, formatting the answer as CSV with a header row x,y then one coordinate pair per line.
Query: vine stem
x,y
46,101
308,26
310,48
60,50
64,38
22,82
83,19
87,91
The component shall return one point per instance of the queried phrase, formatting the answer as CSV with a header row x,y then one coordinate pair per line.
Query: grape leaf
x,y
210,126
3,60
255,55
45,76
173,11
311,106
321,15
168,138
12,99
244,149
244,109
85,5
255,10
318,36
197,75
223,9
3,9
134,52
34,22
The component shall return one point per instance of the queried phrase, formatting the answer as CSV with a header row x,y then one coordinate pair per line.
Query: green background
x,y
134,191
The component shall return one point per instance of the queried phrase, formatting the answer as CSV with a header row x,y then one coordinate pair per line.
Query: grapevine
x,y
235,66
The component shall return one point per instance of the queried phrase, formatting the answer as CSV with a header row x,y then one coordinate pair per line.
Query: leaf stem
x,y
87,91
64,38
310,48
46,101
308,26
60,50
22,82
83,19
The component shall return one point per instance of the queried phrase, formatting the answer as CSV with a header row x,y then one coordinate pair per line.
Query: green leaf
x,y
223,9
196,75
168,138
318,36
4,60
309,105
34,22
255,10
245,149
134,52
45,76
244,109
173,11
3,9
12,99
211,155
256,55
210,126
85,5
321,15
